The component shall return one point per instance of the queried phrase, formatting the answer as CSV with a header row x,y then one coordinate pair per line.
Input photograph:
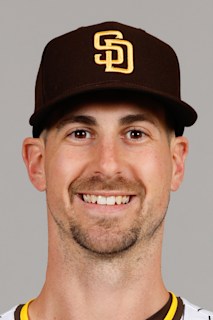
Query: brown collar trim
x,y
17,312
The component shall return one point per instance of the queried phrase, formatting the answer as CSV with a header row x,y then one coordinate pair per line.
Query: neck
x,y
82,285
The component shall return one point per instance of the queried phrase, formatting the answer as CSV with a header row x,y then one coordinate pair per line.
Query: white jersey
x,y
191,312
9,315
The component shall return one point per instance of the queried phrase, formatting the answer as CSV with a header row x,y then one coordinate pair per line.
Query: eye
x,y
135,134
80,134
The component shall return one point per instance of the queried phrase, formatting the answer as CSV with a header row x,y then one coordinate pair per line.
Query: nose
x,y
108,159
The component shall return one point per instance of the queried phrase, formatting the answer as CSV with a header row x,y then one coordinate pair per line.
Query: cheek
x,y
155,170
62,168
60,172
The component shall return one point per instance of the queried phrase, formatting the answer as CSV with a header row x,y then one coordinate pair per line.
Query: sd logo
x,y
115,45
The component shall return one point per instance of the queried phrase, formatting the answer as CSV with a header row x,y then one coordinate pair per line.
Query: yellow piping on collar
x,y
173,308
24,311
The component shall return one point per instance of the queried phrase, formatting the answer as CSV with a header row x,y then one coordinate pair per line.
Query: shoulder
x,y
9,315
192,312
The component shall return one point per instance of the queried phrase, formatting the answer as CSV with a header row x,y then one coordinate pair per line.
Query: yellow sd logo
x,y
117,45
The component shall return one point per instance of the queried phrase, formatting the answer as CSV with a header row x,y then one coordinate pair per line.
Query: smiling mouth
x,y
106,200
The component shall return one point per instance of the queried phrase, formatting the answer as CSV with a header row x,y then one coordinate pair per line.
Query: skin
x,y
105,261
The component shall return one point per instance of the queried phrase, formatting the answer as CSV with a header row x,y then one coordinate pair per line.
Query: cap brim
x,y
185,115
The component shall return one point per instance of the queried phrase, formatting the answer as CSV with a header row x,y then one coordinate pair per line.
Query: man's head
x,y
108,57
113,147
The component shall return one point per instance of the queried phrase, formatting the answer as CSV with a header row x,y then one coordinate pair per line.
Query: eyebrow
x,y
136,117
87,120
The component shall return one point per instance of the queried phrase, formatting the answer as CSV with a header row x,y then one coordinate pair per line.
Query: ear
x,y
179,153
33,155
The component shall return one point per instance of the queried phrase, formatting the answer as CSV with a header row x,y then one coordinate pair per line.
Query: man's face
x,y
109,169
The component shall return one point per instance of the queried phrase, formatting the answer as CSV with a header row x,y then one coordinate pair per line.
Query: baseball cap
x,y
108,56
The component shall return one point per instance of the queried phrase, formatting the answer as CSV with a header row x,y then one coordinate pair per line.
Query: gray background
x,y
25,28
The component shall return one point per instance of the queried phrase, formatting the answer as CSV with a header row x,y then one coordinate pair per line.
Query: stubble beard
x,y
107,240
105,237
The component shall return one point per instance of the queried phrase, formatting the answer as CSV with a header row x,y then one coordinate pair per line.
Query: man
x,y
107,149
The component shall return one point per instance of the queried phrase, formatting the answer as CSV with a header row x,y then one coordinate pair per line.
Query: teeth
x,y
101,200
125,200
93,199
119,199
110,201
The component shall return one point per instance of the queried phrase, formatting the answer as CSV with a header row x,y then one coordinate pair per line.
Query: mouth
x,y
110,200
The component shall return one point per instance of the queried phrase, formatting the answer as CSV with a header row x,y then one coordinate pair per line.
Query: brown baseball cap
x,y
108,56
